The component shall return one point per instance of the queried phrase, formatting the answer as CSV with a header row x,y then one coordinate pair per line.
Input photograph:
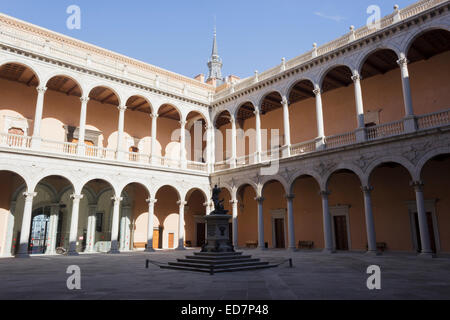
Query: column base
x,y
360,134
328,251
262,249
427,255
113,251
286,151
373,253
292,249
320,143
22,256
73,253
409,124
35,143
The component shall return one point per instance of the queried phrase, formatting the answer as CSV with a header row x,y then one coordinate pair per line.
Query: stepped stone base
x,y
215,262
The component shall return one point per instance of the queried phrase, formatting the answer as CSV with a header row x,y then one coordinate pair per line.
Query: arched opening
x,y
307,207
61,115
195,227
429,70
390,198
247,217
223,137
137,129
167,213
133,220
436,177
96,216
17,107
346,207
302,112
381,73
196,137
275,215
102,121
272,125
246,134
338,98
168,123
10,217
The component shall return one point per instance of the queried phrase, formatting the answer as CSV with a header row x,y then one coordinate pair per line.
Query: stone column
x,y
115,225
361,129
53,229
82,131
319,116
422,217
233,143
234,207
74,224
154,134
150,224
212,149
327,223
287,128
36,139
8,250
125,230
258,136
91,229
26,225
119,150
370,226
261,244
183,160
181,225
291,225
409,121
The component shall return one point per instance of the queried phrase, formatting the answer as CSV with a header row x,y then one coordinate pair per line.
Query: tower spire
x,y
215,63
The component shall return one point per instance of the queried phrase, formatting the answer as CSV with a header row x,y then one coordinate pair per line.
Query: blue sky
x,y
177,35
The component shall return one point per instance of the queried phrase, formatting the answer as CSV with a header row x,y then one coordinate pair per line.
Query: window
x,y
99,222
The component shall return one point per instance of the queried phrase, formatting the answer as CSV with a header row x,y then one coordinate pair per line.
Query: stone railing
x,y
222,165
100,153
303,147
433,119
58,147
197,166
15,141
385,130
353,35
340,140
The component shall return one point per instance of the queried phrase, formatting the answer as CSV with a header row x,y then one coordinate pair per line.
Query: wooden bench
x,y
251,244
306,244
140,245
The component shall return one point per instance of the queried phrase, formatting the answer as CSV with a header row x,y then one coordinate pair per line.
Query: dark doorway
x,y
430,231
39,231
279,233
201,234
340,232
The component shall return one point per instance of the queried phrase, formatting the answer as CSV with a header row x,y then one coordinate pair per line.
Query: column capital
x,y
122,108
183,123
151,201
41,89
259,199
256,112
367,189
182,203
232,120
116,199
284,101
356,77
154,115
317,91
234,201
403,62
76,197
29,195
85,99
324,193
290,196
417,185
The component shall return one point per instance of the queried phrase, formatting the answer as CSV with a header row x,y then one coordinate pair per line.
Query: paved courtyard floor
x,y
314,276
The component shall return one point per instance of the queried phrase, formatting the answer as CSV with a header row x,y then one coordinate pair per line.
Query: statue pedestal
x,y
217,233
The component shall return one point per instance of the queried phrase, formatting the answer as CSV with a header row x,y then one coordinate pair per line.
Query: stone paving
x,y
315,275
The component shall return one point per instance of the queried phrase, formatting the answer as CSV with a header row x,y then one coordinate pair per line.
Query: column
x,y
124,230
82,130
53,229
319,116
258,135
36,139
291,226
234,206
91,229
327,223
360,131
115,225
181,225
74,224
183,161
261,244
370,226
422,217
409,121
8,250
212,153
150,224
209,151
233,142
26,225
119,151
154,123
287,128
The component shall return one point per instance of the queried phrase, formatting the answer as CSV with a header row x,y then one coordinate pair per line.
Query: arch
x,y
304,173
59,73
103,191
250,183
127,99
427,157
192,190
264,95
89,192
323,76
50,189
411,38
236,112
9,168
364,57
25,64
344,166
387,159
56,173
140,182
157,189
294,83
105,178
278,179
90,88
219,116
177,109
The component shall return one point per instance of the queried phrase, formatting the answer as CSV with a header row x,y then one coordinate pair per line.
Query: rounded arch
x,y
56,173
33,69
91,196
192,190
344,167
272,179
48,187
384,160
103,191
104,178
267,93
242,104
13,169
301,174
69,75
248,182
90,90
366,55
427,157
411,38
221,118
177,191
140,182
303,90
164,110
340,78
135,104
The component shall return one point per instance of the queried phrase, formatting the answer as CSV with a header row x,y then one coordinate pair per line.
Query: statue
x,y
218,204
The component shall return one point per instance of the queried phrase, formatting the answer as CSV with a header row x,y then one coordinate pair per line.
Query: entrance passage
x,y
201,234
340,232
279,233
157,243
39,231
171,240
430,232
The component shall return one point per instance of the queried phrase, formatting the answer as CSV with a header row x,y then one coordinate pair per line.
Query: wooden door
x,y
171,240
156,239
201,233
279,233
340,232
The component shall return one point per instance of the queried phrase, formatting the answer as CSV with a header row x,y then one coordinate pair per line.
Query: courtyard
x,y
314,276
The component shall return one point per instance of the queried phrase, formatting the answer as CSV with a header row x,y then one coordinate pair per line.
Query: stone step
x,y
217,267
217,254
212,258
219,270
216,262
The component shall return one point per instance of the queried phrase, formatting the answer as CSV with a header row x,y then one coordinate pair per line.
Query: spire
x,y
215,63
